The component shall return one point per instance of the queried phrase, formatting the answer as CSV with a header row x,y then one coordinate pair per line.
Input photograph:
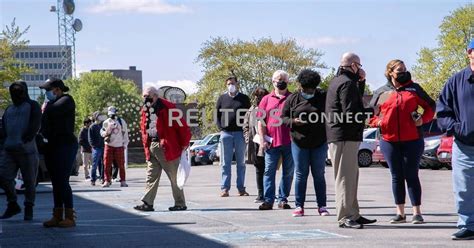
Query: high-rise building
x,y
131,74
45,61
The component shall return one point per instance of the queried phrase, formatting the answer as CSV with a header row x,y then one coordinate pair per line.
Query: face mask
x,y
50,95
403,77
306,95
232,89
281,85
147,101
113,116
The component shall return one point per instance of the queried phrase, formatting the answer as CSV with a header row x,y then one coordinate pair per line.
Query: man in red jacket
x,y
164,137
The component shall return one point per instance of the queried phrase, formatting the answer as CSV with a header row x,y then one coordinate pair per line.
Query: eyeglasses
x,y
358,64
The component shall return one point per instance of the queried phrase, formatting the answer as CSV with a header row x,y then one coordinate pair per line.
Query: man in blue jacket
x,y
97,143
456,117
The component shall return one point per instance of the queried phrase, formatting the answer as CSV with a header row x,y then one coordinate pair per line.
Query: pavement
x,y
106,217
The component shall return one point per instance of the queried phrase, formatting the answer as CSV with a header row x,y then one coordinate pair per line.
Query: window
x,y
50,54
27,55
40,55
22,55
41,66
55,65
17,55
46,54
36,66
55,55
32,54
37,78
36,54
41,77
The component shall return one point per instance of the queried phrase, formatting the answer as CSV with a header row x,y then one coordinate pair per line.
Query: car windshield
x,y
370,133
205,140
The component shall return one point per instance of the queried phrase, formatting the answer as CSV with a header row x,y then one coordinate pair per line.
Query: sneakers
x,y
417,219
144,207
323,211
350,224
298,212
116,180
266,206
398,219
106,185
12,209
284,205
92,183
123,184
225,193
177,208
88,179
243,193
463,234
365,221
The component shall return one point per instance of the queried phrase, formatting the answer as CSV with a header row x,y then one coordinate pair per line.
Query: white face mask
x,y
232,89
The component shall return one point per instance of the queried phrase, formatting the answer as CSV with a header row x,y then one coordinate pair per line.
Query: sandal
x,y
144,207
177,208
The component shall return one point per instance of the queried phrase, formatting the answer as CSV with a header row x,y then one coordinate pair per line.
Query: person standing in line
x,y
20,124
115,133
455,114
255,153
232,106
164,138
302,113
97,143
61,148
278,143
86,149
402,142
346,112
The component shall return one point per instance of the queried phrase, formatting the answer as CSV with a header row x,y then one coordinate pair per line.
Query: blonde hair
x,y
280,75
391,66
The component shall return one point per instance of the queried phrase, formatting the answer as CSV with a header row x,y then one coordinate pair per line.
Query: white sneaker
x,y
106,185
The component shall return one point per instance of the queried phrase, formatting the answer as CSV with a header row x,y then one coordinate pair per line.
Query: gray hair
x,y
280,75
151,90
349,58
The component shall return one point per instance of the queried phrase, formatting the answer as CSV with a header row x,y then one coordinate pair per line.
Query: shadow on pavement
x,y
106,226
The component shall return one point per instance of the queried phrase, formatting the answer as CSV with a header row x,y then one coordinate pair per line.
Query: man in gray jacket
x,y
21,122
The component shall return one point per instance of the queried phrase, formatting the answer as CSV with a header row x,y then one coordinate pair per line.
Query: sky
x,y
163,38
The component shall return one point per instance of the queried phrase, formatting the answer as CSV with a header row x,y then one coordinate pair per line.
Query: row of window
x,y
33,55
42,66
41,77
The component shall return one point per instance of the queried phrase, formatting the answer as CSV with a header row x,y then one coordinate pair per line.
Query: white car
x,y
366,148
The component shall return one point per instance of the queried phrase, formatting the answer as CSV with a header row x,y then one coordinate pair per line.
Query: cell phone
x,y
415,115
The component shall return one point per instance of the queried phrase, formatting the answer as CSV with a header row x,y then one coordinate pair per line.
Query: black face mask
x,y
113,116
147,100
18,96
281,85
403,77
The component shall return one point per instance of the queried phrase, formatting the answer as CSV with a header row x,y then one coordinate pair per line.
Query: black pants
x,y
115,170
259,163
403,158
59,160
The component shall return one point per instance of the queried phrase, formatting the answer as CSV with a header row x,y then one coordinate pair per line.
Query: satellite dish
x,y
69,6
77,25
161,91
175,95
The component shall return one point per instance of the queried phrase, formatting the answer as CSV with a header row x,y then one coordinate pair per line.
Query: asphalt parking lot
x,y
106,217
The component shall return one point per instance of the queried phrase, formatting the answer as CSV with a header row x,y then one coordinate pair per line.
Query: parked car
x,y
200,152
445,150
429,159
378,157
366,147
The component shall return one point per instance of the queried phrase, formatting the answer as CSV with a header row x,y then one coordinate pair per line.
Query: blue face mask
x,y
306,95
50,95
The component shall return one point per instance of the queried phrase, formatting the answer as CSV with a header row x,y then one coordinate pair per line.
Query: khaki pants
x,y
155,166
343,155
86,162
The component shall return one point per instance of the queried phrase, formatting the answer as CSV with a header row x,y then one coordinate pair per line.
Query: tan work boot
x,y
57,217
69,218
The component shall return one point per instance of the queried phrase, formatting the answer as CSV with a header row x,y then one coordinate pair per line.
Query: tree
x,y
253,62
96,91
435,65
10,41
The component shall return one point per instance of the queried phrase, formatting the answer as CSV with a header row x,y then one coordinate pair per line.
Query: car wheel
x,y
436,166
365,158
384,164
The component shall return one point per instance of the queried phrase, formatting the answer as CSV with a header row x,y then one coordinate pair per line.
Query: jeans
x,y
463,183
232,142
272,156
403,159
59,160
97,163
306,159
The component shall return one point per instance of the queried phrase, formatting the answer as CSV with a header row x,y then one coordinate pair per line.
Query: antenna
x,y
67,29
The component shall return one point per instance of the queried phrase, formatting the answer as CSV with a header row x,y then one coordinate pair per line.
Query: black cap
x,y
54,83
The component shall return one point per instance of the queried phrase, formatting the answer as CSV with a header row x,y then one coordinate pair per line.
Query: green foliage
x,y
435,65
253,62
10,41
96,91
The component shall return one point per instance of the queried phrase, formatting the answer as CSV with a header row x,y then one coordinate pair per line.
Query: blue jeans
x,y
272,156
97,163
306,159
232,142
463,173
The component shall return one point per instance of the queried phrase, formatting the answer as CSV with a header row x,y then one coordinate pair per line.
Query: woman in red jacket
x,y
397,106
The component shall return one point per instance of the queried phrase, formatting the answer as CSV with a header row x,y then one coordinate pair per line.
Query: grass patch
x,y
134,165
